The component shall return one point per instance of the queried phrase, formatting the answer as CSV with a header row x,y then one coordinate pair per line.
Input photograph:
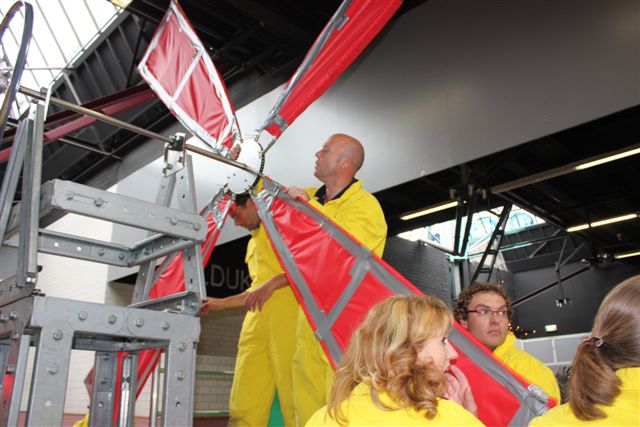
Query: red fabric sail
x,y
321,269
179,70
352,30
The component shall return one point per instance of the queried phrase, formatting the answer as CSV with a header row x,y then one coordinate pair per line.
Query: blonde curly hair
x,y
383,353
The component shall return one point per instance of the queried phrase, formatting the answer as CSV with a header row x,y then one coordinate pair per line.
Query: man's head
x,y
244,213
484,310
339,159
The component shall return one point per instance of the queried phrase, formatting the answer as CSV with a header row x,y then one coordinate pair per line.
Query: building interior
x,y
466,110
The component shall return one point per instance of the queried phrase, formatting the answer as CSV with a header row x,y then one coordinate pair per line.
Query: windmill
x,y
179,70
214,123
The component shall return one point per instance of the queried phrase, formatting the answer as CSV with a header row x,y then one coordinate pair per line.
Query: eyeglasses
x,y
483,312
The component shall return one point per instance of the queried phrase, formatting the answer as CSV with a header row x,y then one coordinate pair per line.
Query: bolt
x,y
180,375
173,220
83,315
182,346
139,323
166,325
98,202
3,318
57,335
15,336
112,319
147,251
100,404
13,315
11,369
101,252
104,380
196,226
69,195
53,369
169,166
121,256
105,356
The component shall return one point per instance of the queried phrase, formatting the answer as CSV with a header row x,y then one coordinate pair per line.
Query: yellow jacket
x,y
625,410
360,410
261,260
266,344
528,366
359,213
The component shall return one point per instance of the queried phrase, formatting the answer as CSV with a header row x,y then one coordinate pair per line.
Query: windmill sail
x,y
337,280
179,70
352,27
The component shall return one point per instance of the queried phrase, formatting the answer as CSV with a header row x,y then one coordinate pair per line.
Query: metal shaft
x,y
124,125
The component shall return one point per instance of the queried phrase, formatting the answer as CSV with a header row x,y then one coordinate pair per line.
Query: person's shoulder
x,y
559,416
321,418
452,414
356,193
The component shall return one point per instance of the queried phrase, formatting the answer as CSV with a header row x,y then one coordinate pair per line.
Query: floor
x,y
70,419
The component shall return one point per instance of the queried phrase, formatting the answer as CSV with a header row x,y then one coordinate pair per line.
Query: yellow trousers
x,y
263,364
312,373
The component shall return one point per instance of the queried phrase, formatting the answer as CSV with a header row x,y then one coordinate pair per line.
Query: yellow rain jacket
x,y
266,345
360,214
361,411
625,410
528,366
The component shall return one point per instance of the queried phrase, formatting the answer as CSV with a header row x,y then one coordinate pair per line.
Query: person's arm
x,y
297,193
215,304
256,298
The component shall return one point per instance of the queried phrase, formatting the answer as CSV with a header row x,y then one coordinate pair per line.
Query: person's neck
x,y
336,186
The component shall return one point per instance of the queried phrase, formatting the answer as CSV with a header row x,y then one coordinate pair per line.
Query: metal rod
x,y
87,147
220,158
533,294
96,115
124,125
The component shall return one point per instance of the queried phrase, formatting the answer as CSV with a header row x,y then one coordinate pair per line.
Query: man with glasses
x,y
484,310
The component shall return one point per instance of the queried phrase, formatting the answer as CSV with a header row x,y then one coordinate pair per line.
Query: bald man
x,y
342,199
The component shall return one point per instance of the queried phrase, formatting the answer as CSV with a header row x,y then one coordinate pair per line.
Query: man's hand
x,y
257,298
211,304
234,152
296,193
458,389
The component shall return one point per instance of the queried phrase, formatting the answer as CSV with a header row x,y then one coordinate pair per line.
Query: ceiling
x,y
257,45
567,200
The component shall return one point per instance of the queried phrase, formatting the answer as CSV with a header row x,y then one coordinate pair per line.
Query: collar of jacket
x,y
508,344
321,194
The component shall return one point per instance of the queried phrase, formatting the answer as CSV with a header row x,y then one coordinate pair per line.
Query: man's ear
x,y
464,323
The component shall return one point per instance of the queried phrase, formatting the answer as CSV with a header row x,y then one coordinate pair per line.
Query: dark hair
x,y
241,199
614,344
465,297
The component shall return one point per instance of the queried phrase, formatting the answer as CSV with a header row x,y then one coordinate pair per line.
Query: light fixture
x,y
431,209
608,159
577,228
551,328
602,222
627,254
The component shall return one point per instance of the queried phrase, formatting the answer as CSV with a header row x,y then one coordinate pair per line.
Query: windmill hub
x,y
241,181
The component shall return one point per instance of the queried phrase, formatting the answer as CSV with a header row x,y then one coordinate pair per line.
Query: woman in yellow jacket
x,y
393,372
604,385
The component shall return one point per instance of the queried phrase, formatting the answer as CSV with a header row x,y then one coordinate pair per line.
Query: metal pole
x,y
124,125
533,294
